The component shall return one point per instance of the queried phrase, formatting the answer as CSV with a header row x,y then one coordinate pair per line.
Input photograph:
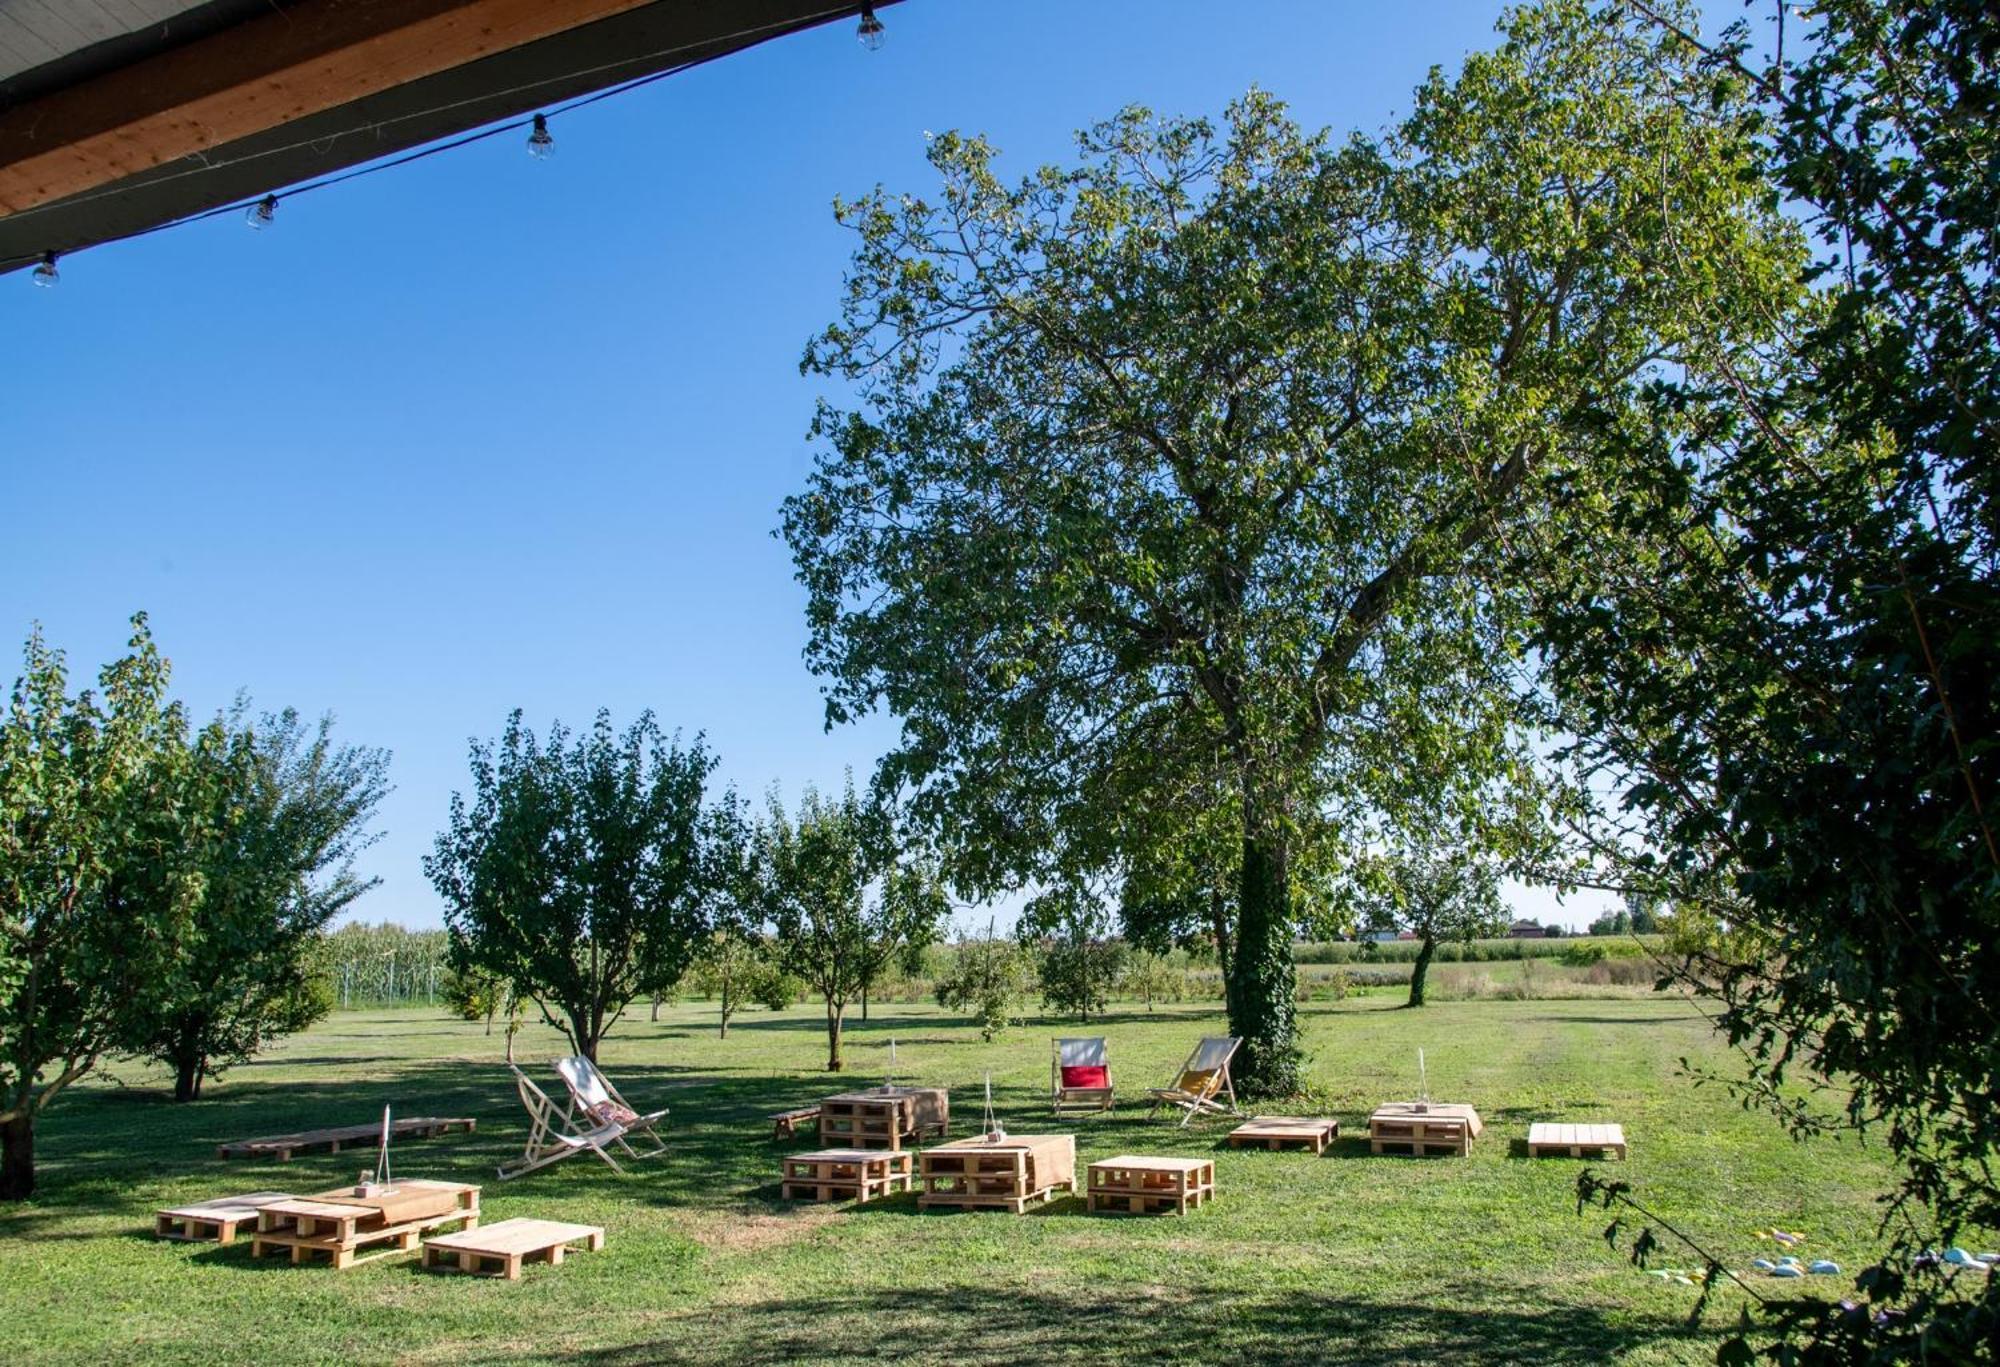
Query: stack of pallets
x,y
1005,1174
1135,1185
1422,1128
352,1224
847,1174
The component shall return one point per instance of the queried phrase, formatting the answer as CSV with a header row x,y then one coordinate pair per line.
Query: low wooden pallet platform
x,y
334,1225
1576,1141
1276,1131
283,1146
1133,1184
785,1124
508,1244
847,1174
216,1220
970,1174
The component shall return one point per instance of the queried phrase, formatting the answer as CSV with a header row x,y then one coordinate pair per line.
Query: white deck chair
x,y
1084,1052
551,1138
1201,1081
593,1100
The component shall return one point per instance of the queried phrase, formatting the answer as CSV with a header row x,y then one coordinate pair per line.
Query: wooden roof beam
x,y
310,57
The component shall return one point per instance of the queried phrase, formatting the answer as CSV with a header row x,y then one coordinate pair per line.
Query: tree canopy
x,y
1168,515
581,871
845,891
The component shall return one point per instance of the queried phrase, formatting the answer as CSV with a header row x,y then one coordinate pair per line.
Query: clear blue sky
x,y
483,433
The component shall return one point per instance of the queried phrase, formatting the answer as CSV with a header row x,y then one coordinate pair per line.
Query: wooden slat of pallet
x,y
1420,1146
509,1243
283,1146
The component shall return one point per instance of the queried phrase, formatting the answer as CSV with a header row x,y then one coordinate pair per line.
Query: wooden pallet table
x,y
283,1146
1576,1141
499,1250
1004,1174
1276,1131
1422,1127
847,1174
344,1222
785,1124
216,1220
1135,1185
883,1117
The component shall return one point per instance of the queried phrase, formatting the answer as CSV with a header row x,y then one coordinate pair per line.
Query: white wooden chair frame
x,y
1080,1100
1215,1052
551,1137
588,1086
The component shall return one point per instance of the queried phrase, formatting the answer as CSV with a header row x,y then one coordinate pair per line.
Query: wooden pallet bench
x,y
785,1124
348,1226
1135,1185
847,1174
1276,1131
283,1146
1422,1128
1007,1174
499,1250
1576,1141
216,1220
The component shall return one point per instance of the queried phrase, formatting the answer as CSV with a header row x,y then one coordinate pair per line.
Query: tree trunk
x,y
656,1008
864,1003
1261,979
17,1158
187,1079
1428,948
833,1022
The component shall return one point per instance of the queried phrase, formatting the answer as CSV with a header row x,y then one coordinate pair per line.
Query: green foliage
x,y
1437,892
1166,518
282,812
582,871
1151,978
1790,639
845,890
776,990
93,805
734,967
986,980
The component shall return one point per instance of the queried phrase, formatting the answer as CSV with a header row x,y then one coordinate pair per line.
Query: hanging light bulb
x,y
540,145
870,32
46,274
262,214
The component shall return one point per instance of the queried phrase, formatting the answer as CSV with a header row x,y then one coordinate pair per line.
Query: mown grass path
x,y
1341,1258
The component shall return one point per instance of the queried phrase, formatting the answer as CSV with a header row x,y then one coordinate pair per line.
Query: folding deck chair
x,y
593,1099
1202,1079
1080,1076
552,1138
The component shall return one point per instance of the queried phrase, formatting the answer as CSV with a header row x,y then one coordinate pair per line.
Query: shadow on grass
x,y
1125,1324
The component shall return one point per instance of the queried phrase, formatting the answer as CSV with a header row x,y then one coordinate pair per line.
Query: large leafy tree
x,y
1786,658
92,816
581,870
1168,515
845,891
278,811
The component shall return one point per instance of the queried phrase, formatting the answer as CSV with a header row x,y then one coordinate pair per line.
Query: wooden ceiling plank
x,y
314,56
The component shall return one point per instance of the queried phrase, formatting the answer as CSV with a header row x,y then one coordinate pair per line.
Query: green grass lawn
x,y
1344,1257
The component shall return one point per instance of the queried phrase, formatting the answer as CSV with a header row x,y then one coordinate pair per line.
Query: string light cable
x,y
259,210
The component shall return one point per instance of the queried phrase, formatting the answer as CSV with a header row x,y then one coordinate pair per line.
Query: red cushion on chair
x,y
1087,1075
